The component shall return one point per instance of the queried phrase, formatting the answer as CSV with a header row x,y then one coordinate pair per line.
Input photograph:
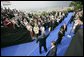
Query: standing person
x,y
56,23
45,24
58,20
15,22
42,28
22,25
25,22
64,28
72,18
8,23
18,20
77,25
60,36
39,25
49,24
36,30
53,50
29,28
42,42
53,24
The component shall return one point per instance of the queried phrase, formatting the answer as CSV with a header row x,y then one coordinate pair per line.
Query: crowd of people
x,y
76,45
37,25
77,20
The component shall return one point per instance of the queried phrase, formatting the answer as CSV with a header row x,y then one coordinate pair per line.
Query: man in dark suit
x,y
64,28
52,24
56,23
53,50
42,41
72,18
60,36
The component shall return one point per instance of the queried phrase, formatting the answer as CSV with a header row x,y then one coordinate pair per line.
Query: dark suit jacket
x,y
60,35
65,29
53,23
77,28
52,52
56,23
42,40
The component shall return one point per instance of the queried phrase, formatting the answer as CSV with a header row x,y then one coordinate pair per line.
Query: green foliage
x,y
64,11
68,9
72,4
43,13
77,5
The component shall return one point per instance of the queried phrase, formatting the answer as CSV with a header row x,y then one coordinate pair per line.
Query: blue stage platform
x,y
32,48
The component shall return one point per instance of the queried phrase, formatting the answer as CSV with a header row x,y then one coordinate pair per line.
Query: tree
x,y
68,9
77,5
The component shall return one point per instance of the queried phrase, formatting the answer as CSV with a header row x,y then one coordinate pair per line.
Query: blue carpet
x,y
53,37
32,48
18,50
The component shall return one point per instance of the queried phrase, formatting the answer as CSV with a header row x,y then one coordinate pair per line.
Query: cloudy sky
x,y
38,4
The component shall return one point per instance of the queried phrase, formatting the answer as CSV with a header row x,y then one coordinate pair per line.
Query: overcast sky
x,y
38,4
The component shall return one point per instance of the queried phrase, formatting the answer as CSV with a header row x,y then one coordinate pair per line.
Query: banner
x,y
5,3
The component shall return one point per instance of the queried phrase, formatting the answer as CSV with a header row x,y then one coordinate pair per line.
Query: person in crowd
x,y
29,28
56,23
36,30
49,24
39,25
58,20
15,24
72,18
25,21
15,14
64,28
53,24
18,20
22,25
45,24
76,21
60,36
13,21
77,25
42,29
42,41
21,19
8,23
53,50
